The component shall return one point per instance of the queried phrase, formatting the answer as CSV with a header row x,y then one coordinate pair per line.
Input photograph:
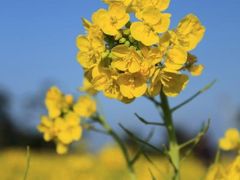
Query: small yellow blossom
x,y
63,130
189,32
47,128
132,85
85,106
151,57
126,58
231,140
57,102
90,51
112,20
170,83
153,22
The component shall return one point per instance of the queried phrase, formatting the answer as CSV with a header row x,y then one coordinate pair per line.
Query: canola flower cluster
x,y
62,124
126,58
230,142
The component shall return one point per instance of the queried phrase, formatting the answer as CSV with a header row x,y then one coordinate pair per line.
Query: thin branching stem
x,y
148,122
134,137
208,86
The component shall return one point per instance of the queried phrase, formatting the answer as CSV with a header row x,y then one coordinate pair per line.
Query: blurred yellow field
x,y
105,165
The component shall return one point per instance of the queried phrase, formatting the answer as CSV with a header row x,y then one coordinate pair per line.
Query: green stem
x,y
174,150
118,140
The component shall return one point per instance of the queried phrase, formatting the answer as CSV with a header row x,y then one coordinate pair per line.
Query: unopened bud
x,y
122,40
127,43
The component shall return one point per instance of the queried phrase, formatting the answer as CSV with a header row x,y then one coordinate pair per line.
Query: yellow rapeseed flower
x,y
151,57
47,128
63,130
57,102
132,85
170,83
90,51
189,32
231,140
152,23
126,58
112,20
85,106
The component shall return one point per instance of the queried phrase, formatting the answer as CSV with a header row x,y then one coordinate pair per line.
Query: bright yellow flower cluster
x,y
231,140
62,125
126,59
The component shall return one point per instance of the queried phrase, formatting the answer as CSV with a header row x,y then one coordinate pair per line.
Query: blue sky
x,y
37,43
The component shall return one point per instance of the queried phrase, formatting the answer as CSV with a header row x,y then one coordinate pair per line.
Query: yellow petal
x,y
143,33
151,15
190,32
174,83
163,24
83,43
176,58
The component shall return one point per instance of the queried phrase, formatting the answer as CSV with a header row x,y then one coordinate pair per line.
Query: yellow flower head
x,y
63,130
189,32
169,82
47,128
90,51
132,85
126,58
153,22
231,140
151,57
112,20
68,128
85,106
57,102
